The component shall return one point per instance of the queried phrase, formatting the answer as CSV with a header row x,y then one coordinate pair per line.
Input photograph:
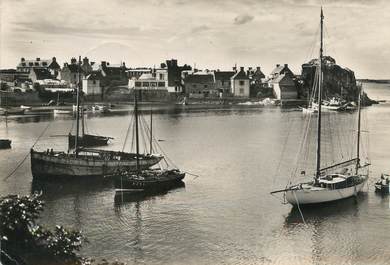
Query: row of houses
x,y
239,83
95,78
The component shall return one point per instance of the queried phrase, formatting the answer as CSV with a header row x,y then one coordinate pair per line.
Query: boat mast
x,y
151,130
318,165
136,128
77,111
358,132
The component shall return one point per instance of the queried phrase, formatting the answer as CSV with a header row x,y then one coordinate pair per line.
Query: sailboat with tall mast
x,y
328,187
85,140
148,179
83,162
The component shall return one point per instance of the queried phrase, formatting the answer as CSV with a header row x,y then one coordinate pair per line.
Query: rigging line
x,y
289,126
127,133
24,159
314,43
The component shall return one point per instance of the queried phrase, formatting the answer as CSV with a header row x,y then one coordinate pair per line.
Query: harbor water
x,y
223,215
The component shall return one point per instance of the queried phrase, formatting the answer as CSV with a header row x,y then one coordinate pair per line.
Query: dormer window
x,y
36,64
30,64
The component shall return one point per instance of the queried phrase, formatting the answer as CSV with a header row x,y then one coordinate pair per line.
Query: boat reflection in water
x,y
63,187
312,214
144,195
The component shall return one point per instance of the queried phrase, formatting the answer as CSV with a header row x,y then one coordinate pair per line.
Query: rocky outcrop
x,y
338,82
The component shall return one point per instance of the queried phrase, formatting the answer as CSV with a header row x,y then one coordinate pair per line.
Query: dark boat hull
x,y
164,180
49,165
88,140
5,144
381,188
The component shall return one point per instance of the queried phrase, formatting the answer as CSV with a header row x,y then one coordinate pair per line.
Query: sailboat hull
x,y
315,195
62,165
5,144
88,140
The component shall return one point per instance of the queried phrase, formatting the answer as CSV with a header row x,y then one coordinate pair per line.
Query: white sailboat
x,y
328,187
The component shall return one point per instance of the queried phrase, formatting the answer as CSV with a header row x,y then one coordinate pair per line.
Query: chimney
x,y
258,68
241,69
235,69
38,59
85,60
73,60
286,65
104,63
277,65
23,60
54,59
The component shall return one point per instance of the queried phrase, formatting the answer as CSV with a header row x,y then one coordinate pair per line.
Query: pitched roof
x,y
240,75
201,79
223,75
42,74
258,74
50,63
279,78
75,68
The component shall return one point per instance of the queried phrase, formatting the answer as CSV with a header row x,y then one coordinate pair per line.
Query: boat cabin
x,y
337,181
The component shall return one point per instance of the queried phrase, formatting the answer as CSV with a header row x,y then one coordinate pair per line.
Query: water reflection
x,y
122,198
315,214
54,190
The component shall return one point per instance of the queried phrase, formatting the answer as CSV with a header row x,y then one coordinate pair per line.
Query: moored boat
x,y
5,144
150,179
337,181
84,162
88,140
87,163
382,185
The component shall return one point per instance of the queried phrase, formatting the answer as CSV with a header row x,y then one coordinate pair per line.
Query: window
x,y
145,84
205,86
36,64
161,84
30,64
138,84
44,63
242,82
23,64
94,82
241,91
161,77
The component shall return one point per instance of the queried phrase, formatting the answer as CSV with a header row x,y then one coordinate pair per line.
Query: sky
x,y
211,34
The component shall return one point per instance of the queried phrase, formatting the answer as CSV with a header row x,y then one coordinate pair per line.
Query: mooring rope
x,y
25,157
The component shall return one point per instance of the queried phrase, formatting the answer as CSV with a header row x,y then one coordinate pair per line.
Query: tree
x,y
21,234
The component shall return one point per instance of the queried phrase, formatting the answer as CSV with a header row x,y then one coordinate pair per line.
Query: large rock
x,y
338,82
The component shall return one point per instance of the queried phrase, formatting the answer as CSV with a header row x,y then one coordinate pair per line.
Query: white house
x,y
240,84
91,85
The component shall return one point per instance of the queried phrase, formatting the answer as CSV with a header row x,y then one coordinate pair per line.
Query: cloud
x,y
199,29
58,29
243,19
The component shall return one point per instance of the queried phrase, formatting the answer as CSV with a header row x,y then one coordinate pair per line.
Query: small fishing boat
x,y
100,109
5,144
88,140
149,179
25,107
382,185
62,112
